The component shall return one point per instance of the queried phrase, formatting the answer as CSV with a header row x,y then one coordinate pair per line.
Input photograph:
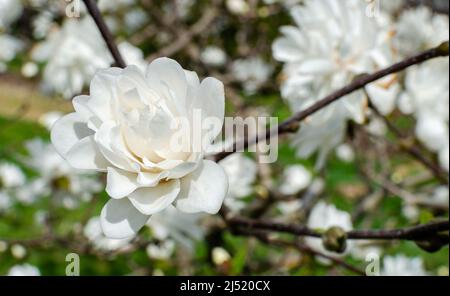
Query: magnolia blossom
x,y
213,56
238,7
10,47
401,265
332,43
252,72
241,173
93,232
48,119
345,153
295,178
161,251
55,176
172,225
127,127
11,175
419,29
10,10
24,270
426,96
5,201
73,54
323,216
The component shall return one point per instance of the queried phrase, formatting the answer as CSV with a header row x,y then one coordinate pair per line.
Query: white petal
x,y
164,74
68,131
120,219
150,200
204,189
85,155
120,183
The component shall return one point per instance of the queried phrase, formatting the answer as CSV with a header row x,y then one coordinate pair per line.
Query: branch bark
x,y
106,33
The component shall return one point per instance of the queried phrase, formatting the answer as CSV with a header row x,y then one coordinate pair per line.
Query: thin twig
x,y
106,34
357,84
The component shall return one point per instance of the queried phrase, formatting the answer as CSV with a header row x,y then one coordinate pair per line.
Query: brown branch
x,y
357,84
410,233
106,33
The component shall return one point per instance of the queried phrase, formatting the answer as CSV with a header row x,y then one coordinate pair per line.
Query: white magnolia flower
x,y
126,128
29,70
418,29
43,23
238,7
171,224
11,175
345,153
427,98
48,119
220,255
376,127
331,44
135,19
401,265
73,54
241,173
67,185
323,216
93,232
10,47
24,270
252,72
295,178
10,10
108,5
18,251
213,56
162,250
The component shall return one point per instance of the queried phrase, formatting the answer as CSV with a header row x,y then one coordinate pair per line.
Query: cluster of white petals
x,y
241,171
332,43
125,128
252,72
24,270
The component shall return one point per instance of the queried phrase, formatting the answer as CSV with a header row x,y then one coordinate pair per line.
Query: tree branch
x,y
286,126
410,233
106,34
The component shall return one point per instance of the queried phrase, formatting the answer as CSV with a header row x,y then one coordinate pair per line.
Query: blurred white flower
x,y
42,24
401,265
426,96
11,175
345,153
18,251
135,19
213,56
68,185
323,216
10,46
109,6
10,10
418,29
252,73
48,119
73,54
376,127
219,255
93,232
295,178
125,128
161,251
333,42
238,7
184,7
241,172
29,70
24,270
132,55
182,228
